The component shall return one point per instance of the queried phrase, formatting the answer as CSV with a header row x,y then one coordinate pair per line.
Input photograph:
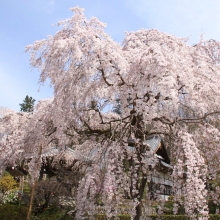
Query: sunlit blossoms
x,y
163,87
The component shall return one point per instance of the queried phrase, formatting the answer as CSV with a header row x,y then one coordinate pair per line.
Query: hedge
x,y
163,217
53,213
121,217
13,212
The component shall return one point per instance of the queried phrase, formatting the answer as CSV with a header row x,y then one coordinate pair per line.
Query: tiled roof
x,y
154,142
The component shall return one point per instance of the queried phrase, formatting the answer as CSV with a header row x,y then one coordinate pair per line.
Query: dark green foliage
x,y
27,105
212,207
168,207
214,217
54,213
13,212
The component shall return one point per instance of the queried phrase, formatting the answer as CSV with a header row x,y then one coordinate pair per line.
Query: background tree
x,y
21,141
27,105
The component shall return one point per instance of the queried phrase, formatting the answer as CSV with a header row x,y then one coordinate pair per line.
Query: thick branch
x,y
197,120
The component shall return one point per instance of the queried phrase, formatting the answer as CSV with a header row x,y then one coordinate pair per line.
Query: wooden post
x,y
31,200
22,184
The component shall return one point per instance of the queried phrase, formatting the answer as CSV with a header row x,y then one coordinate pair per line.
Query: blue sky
x,y
24,21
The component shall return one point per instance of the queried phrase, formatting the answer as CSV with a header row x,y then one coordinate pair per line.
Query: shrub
x,y
11,197
13,212
168,207
7,182
212,207
214,217
53,213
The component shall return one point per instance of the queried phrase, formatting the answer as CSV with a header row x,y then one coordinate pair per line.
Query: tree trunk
x,y
138,121
138,210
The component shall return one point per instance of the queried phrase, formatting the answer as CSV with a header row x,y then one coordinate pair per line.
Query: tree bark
x,y
138,210
140,188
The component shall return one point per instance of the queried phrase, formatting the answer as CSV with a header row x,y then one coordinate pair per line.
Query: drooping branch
x,y
198,120
104,77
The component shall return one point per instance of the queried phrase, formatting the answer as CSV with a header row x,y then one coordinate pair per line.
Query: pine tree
x,y
27,105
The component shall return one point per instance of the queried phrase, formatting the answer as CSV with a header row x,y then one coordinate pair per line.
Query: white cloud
x,y
181,18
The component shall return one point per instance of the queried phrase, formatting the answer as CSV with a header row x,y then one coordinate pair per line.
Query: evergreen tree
x,y
27,105
94,105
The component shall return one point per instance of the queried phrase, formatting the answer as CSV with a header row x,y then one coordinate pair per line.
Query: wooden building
x,y
161,182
